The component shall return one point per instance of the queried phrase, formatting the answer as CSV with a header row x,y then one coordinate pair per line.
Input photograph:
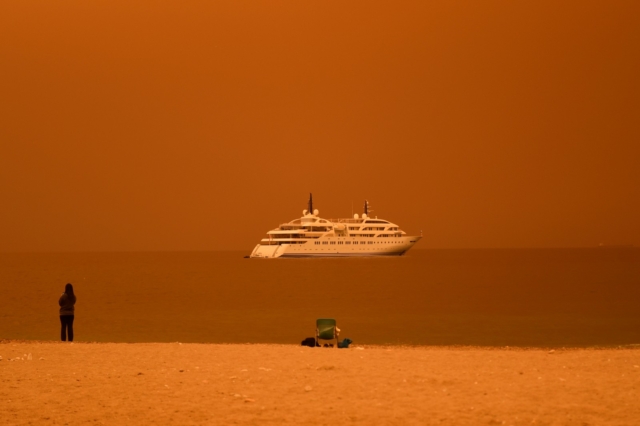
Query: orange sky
x,y
200,125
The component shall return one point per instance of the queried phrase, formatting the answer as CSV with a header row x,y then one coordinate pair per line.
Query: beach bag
x,y
309,341
345,343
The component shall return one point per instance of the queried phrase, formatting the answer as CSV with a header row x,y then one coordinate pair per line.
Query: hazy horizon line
x,y
609,246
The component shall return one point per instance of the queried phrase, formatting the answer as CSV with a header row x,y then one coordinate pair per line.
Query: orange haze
x,y
200,125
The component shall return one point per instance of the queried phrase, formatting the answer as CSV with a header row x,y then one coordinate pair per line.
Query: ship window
x,y
348,242
333,242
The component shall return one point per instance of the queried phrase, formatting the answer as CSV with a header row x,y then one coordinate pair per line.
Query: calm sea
x,y
547,297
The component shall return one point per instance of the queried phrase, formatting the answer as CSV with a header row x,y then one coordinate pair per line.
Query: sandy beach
x,y
176,383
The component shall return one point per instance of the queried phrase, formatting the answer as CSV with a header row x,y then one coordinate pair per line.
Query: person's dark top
x,y
66,303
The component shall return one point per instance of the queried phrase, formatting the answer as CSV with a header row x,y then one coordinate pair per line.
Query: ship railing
x,y
288,227
345,220
291,237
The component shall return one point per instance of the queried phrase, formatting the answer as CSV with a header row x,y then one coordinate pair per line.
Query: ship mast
x,y
310,203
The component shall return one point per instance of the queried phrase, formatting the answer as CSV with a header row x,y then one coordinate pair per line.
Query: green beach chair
x,y
326,329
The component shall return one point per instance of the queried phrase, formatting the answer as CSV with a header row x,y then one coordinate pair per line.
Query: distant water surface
x,y
548,297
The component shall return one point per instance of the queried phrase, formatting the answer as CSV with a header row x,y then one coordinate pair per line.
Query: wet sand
x,y
174,383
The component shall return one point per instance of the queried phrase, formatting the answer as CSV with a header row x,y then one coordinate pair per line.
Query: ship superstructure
x,y
313,236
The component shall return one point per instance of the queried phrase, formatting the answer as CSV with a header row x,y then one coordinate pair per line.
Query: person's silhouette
x,y
67,311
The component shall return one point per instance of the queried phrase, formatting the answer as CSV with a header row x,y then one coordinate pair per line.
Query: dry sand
x,y
173,383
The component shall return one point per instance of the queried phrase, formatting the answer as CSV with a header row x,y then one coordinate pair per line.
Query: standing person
x,y
66,302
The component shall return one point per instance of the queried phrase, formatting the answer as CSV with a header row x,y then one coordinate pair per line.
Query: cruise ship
x,y
313,236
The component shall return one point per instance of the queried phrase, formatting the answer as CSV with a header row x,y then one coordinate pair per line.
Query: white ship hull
x,y
337,247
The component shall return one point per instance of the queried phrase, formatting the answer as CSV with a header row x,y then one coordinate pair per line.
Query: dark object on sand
x,y
309,341
345,343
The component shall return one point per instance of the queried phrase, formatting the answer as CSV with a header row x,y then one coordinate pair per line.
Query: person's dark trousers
x,y
66,321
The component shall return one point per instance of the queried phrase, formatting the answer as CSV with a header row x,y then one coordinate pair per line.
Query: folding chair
x,y
326,329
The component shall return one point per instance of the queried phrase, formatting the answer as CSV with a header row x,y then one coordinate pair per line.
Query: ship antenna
x,y
310,203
